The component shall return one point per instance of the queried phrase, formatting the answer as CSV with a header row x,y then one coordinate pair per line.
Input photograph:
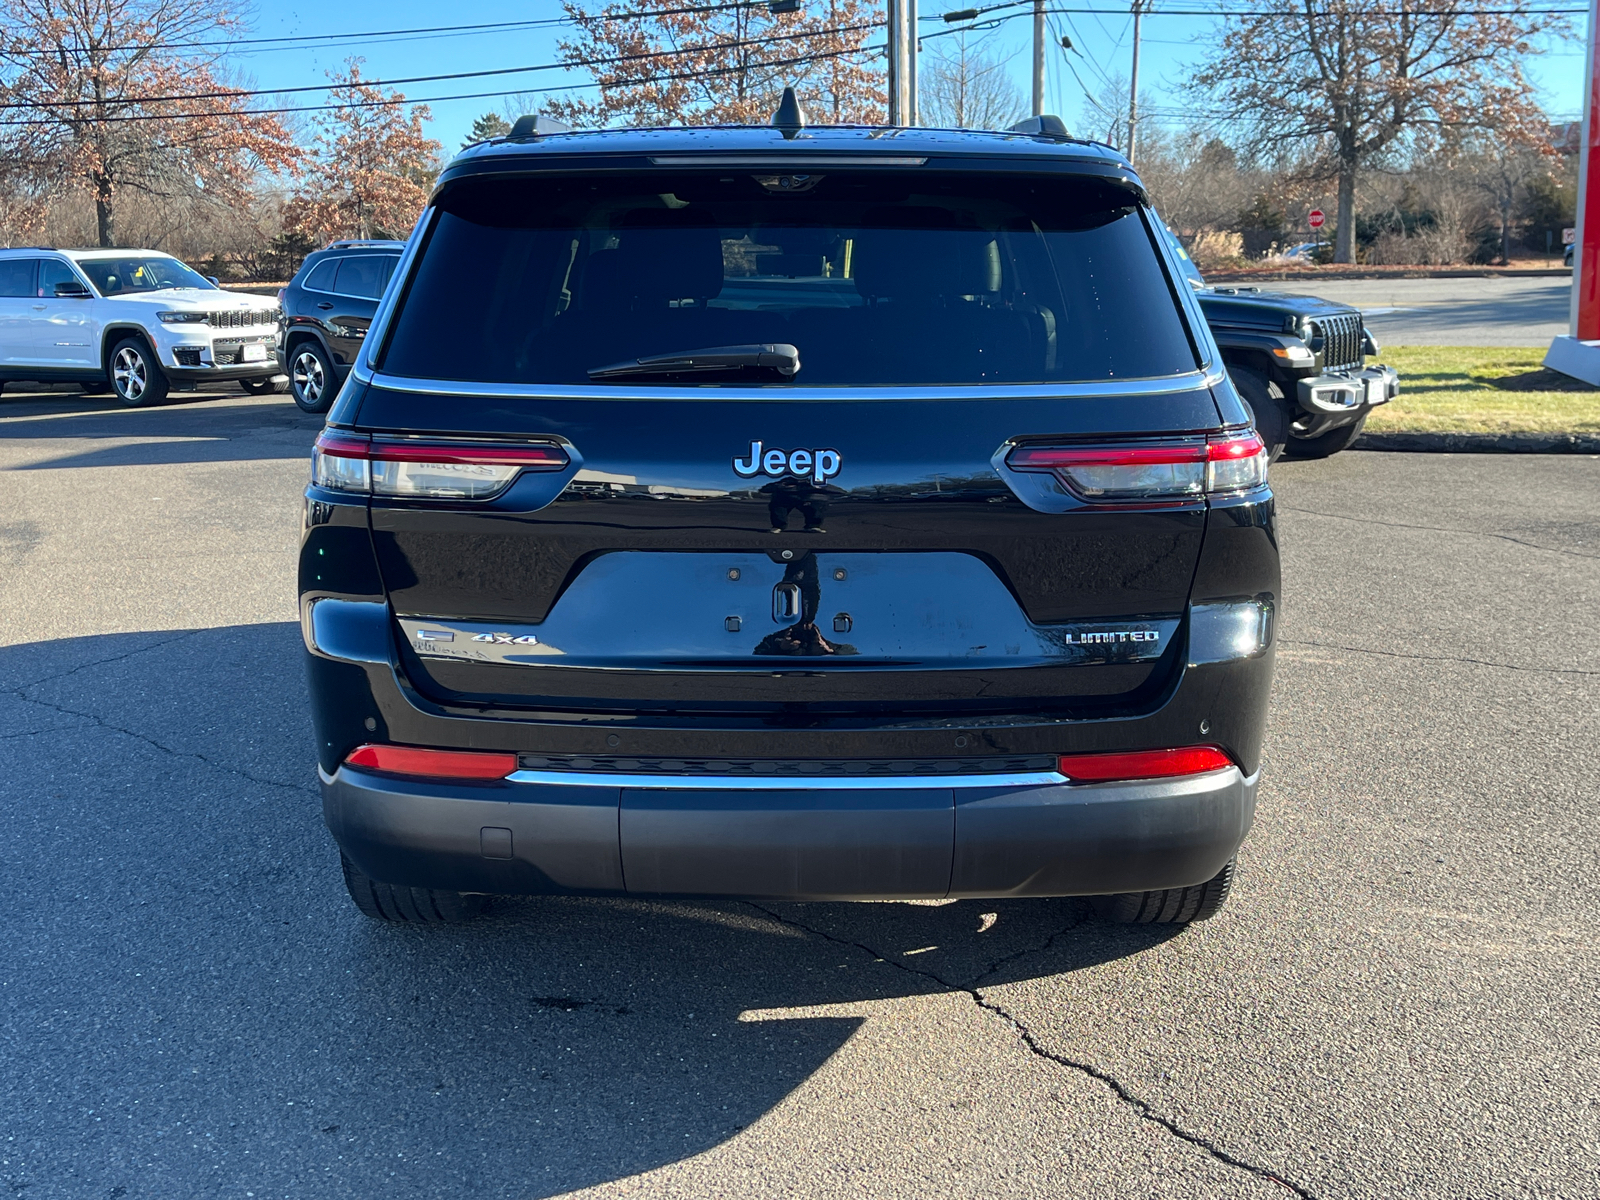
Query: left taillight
x,y
1152,470
427,469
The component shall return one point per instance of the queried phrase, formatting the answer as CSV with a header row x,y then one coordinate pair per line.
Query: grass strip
x,y
1483,389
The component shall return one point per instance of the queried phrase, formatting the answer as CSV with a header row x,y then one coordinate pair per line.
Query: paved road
x,y
1477,311
1400,1000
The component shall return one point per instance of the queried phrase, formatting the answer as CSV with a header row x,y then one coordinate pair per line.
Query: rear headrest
x,y
916,254
661,257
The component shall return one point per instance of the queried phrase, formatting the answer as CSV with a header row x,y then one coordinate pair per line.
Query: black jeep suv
x,y
859,515
327,308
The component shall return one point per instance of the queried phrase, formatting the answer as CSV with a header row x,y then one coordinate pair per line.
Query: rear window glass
x,y
320,277
874,278
364,275
16,276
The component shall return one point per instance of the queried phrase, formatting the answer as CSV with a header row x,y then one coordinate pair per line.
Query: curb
x,y
1481,443
1311,275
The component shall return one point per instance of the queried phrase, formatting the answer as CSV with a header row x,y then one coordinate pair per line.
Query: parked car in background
x,y
327,308
1304,252
1299,362
135,322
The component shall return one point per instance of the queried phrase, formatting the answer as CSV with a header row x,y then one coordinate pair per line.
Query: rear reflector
x,y
436,469
1164,470
1143,764
433,764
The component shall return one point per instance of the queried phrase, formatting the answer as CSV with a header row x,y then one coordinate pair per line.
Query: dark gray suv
x,y
327,308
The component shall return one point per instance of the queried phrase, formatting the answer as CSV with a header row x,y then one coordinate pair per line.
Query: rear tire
x,y
259,387
1267,408
135,377
96,389
312,381
1329,443
406,905
1170,906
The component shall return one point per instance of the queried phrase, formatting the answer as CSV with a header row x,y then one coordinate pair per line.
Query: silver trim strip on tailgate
x,y
1189,381
786,783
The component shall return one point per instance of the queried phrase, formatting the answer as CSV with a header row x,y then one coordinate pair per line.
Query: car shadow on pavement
x,y
230,428
177,902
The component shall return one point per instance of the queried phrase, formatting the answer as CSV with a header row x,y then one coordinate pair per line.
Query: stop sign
x,y
1315,218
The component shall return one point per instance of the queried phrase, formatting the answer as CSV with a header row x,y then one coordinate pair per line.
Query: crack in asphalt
x,y
1505,537
1140,1107
100,662
1478,662
21,693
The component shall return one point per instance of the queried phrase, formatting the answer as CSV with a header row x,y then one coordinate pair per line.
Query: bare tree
x,y
1503,172
1360,78
968,87
112,96
723,66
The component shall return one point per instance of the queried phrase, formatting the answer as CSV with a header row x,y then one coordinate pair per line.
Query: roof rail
x,y
357,243
536,125
1044,125
28,247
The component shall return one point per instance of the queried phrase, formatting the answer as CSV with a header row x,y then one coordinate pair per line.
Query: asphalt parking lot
x,y
1400,1000
1478,310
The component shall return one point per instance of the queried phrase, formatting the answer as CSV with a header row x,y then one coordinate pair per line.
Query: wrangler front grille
x,y
1341,341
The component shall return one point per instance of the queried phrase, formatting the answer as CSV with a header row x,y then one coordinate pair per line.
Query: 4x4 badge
x,y
819,464
506,639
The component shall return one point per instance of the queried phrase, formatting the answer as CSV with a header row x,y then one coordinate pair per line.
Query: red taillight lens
x,y
433,764
427,469
1151,470
1143,764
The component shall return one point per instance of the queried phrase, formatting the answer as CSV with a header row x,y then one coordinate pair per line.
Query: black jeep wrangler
x,y
1299,361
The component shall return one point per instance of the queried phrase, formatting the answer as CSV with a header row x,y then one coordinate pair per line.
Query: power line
x,y
298,40
708,72
612,60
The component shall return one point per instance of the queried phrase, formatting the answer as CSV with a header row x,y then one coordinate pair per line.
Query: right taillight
x,y
1143,764
1164,470
427,468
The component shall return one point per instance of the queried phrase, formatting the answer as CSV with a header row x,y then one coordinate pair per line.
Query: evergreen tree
x,y
491,124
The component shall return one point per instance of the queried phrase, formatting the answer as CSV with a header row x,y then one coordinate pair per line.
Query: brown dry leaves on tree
x,y
725,67
99,100
371,165
1364,79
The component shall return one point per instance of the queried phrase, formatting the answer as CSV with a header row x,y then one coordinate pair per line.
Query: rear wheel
x,y
312,382
259,387
1328,443
1267,408
406,905
95,389
1170,906
135,377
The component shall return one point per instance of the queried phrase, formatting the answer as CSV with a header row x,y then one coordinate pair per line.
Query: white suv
x,y
136,321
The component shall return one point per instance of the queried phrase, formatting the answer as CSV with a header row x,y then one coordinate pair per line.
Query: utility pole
x,y
1038,57
913,107
902,70
1133,88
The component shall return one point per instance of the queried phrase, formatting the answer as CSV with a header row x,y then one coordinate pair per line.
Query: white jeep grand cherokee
x,y
138,322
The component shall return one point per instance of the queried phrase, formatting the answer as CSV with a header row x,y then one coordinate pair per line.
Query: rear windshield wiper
x,y
766,360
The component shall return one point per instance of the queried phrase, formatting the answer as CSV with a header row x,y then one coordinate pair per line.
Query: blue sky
x,y
1171,46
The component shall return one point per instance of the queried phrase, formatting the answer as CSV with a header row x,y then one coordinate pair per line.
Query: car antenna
x,y
790,118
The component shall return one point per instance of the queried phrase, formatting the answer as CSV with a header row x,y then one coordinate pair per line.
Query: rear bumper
x,y
904,838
